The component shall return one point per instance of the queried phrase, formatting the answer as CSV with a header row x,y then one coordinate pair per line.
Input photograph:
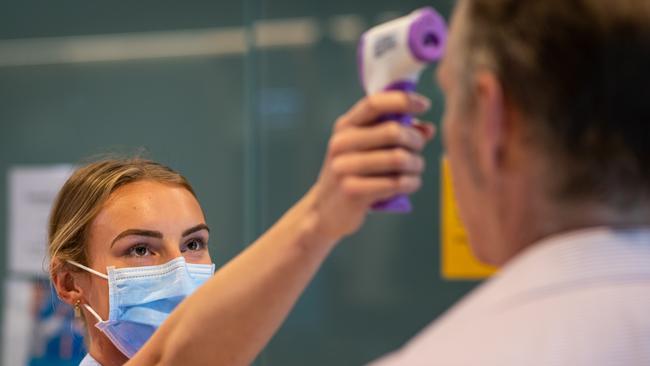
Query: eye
x,y
139,250
194,245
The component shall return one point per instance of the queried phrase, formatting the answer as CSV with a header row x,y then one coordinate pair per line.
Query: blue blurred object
x,y
57,338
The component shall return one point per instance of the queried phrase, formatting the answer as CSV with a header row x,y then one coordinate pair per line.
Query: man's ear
x,y
493,128
67,283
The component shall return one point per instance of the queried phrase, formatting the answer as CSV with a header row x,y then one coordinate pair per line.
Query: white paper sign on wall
x,y
32,190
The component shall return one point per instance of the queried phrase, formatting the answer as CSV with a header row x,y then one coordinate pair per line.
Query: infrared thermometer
x,y
391,56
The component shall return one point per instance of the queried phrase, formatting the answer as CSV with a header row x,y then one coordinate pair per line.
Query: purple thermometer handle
x,y
400,203
426,39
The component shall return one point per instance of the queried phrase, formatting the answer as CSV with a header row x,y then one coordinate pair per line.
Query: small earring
x,y
77,309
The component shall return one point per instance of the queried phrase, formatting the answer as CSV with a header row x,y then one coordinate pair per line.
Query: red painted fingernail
x,y
420,103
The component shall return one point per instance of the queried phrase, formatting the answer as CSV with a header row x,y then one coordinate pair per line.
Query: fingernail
x,y
420,103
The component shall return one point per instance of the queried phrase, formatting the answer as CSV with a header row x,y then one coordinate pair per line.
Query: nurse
x,y
128,244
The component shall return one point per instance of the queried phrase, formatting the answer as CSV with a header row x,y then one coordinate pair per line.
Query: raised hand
x,y
368,161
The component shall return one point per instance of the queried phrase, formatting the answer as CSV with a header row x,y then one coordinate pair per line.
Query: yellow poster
x,y
457,260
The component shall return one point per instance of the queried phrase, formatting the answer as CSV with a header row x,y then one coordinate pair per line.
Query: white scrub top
x,y
89,361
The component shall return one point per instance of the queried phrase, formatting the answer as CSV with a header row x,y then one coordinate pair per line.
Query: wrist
x,y
312,224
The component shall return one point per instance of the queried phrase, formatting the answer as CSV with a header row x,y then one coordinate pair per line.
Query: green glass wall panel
x,y
249,130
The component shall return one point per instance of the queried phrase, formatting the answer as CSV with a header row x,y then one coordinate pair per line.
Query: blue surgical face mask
x,y
141,298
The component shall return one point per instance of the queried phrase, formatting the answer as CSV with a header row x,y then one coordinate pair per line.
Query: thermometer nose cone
x,y
427,35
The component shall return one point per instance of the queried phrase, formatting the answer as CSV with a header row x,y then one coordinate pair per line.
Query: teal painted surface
x,y
249,131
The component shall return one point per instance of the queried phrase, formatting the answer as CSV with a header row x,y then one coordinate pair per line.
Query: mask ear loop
x,y
90,310
88,269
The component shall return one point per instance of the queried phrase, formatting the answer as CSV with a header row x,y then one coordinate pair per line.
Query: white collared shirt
x,y
578,299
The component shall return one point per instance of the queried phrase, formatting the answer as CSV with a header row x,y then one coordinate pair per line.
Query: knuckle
x,y
418,140
372,103
340,123
349,188
395,184
338,167
399,183
404,99
410,184
393,132
334,144
400,159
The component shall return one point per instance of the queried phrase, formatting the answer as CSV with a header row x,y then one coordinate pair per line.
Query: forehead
x,y
456,36
150,205
146,190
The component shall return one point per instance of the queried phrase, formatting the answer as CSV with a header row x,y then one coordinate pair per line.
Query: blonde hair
x,y
83,195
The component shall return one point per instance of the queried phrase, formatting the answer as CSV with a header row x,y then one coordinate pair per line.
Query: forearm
x,y
230,319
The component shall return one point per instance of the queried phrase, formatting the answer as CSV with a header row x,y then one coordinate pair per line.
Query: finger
x,y
368,109
393,161
372,189
383,135
426,129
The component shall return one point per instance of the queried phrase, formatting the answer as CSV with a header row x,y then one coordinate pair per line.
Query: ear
x,y
492,125
68,283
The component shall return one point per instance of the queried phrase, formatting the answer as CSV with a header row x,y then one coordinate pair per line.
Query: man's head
x,y
546,117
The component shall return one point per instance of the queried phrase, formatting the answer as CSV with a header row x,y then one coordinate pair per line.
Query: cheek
x,y
468,203
446,121
452,124
451,137
201,257
465,187
452,145
471,203
98,298
445,132
463,191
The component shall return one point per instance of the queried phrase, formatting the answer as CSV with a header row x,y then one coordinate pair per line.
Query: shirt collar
x,y
577,258
89,361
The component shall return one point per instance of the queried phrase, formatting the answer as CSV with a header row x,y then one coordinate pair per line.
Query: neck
x,y
540,219
101,348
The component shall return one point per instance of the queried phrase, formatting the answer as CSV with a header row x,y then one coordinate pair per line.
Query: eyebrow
x,y
157,234
138,232
196,228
